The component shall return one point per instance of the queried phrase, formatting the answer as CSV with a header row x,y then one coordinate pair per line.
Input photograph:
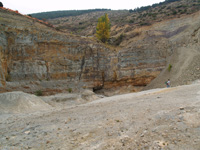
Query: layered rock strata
x,y
32,53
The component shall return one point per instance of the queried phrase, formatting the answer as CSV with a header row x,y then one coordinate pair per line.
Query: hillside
x,y
37,57
123,22
76,76
64,13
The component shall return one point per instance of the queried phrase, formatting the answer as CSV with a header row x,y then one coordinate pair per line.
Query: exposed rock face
x,y
31,51
186,52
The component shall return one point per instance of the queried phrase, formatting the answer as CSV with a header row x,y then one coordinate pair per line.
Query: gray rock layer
x,y
31,51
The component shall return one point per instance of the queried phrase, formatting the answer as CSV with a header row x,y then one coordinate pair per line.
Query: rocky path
x,y
166,118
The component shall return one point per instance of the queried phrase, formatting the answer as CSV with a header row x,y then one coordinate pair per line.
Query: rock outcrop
x,y
35,56
184,61
31,51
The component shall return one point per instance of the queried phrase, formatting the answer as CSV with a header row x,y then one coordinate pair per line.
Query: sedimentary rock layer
x,y
31,51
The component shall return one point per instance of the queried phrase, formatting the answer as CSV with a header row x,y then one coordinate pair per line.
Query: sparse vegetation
x,y
69,90
131,21
169,67
38,93
66,13
174,12
103,28
145,24
85,25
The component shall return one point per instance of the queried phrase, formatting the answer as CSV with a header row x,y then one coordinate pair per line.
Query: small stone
x,y
109,134
45,133
145,131
181,108
163,134
154,130
27,132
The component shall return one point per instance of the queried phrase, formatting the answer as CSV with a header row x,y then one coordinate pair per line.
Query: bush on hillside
x,y
38,93
1,4
169,67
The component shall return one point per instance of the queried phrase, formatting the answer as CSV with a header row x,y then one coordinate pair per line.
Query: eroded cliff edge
x,y
34,56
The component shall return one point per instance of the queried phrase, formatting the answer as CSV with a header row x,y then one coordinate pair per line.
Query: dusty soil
x,y
166,118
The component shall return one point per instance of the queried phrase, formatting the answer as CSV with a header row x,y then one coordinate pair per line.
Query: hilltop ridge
x,y
126,20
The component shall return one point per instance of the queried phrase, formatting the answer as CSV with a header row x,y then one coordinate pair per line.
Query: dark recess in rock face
x,y
97,88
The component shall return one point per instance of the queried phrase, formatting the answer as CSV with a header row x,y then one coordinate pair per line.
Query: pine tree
x,y
1,4
103,28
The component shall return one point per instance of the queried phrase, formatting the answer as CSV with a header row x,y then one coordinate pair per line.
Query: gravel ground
x,y
166,118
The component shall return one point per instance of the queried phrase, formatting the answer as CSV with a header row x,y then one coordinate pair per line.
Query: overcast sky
x,y
34,6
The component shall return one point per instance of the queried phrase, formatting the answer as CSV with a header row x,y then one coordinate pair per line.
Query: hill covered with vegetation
x,y
123,22
64,13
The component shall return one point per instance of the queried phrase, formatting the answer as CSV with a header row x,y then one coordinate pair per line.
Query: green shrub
x,y
154,15
131,21
169,7
169,67
38,93
174,12
145,24
69,90
179,6
180,10
144,15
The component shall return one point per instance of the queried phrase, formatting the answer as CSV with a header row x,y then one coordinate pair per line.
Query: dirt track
x,y
166,118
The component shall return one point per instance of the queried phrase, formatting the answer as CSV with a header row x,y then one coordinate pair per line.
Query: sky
x,y
35,6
